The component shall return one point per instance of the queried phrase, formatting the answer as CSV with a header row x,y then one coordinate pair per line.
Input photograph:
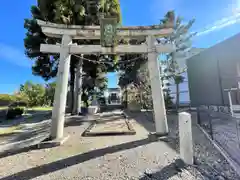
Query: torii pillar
x,y
160,117
60,97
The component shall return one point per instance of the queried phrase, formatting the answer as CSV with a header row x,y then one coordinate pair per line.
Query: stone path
x,y
107,124
101,158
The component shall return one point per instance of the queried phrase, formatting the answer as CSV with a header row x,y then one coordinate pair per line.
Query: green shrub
x,y
14,112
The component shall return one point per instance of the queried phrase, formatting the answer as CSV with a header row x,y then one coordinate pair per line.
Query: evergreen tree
x,y
182,40
136,72
74,12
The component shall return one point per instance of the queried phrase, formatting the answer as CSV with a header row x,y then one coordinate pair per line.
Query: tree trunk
x,y
126,97
177,96
141,98
78,89
72,80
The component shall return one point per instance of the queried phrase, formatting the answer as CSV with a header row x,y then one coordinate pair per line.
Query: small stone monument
x,y
93,109
185,136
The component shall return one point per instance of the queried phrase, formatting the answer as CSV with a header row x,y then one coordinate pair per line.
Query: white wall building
x,y
113,96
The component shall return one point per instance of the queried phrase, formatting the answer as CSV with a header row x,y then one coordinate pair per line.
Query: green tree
x,y
49,93
76,12
136,72
181,37
33,93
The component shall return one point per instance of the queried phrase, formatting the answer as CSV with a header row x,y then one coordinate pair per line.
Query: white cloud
x,y
159,8
14,56
220,24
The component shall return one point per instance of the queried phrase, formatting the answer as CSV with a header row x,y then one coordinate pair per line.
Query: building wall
x,y
212,71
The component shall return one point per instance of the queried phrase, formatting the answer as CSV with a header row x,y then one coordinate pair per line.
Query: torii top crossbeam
x,y
94,32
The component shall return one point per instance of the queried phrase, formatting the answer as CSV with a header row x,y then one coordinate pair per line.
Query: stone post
x,y
185,137
156,88
230,102
78,89
60,97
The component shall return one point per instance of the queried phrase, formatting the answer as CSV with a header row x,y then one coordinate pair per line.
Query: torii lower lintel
x,y
97,49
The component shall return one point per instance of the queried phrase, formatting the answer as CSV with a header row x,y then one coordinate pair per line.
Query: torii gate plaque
x,y
108,32
69,32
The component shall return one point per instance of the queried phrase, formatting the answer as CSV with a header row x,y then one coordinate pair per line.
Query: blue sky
x,y
221,17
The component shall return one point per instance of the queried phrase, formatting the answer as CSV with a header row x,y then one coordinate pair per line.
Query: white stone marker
x,y
156,88
60,97
185,137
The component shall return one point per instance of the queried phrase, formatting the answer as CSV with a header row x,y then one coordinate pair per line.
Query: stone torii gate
x,y
66,48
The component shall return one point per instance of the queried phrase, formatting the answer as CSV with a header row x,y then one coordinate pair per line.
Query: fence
x,y
222,127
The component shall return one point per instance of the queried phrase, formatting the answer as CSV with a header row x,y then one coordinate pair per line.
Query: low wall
x,y
132,106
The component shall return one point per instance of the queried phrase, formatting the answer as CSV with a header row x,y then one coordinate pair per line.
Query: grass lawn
x,y
9,130
33,108
3,107
41,108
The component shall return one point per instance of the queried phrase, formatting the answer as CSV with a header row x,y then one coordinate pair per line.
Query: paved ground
x,y
114,158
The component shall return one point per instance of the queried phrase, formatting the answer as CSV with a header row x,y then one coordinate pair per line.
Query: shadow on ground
x,y
73,160
171,139
166,172
32,117
25,132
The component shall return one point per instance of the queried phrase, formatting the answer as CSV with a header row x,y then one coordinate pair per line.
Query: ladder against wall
x,y
234,108
236,111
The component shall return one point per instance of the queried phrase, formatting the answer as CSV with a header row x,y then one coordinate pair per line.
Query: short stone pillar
x,y
185,137
93,109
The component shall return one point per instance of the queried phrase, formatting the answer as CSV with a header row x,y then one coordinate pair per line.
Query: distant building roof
x,y
181,58
114,89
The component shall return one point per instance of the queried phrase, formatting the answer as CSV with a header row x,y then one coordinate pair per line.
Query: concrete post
x,y
185,137
60,97
78,89
230,102
156,88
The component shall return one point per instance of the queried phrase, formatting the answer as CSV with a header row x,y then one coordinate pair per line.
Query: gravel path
x,y
102,158
209,161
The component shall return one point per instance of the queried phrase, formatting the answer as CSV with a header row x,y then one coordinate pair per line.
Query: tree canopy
x,y
136,72
74,12
181,37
